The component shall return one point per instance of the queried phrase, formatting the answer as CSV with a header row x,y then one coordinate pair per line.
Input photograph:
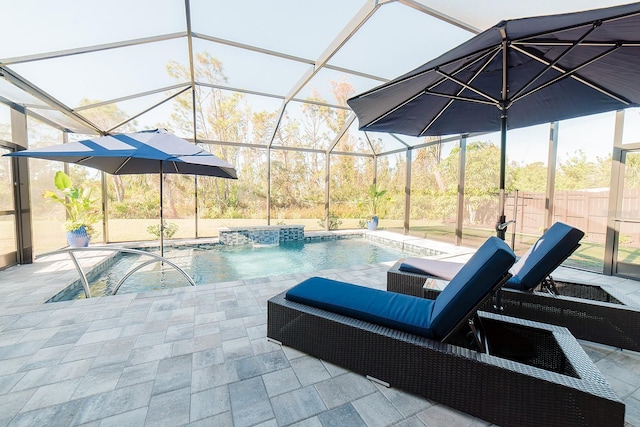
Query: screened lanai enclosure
x,y
263,85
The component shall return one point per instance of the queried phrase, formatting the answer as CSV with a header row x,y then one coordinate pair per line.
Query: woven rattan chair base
x,y
542,376
590,312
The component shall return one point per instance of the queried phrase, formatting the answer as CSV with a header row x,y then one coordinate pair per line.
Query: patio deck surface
x,y
199,356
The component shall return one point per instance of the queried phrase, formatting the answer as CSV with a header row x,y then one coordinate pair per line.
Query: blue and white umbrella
x,y
155,151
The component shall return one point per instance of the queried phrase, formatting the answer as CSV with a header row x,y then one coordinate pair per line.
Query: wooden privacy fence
x,y
587,210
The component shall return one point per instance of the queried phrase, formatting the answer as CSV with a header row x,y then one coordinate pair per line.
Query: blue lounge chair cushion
x,y
396,311
475,280
553,247
428,318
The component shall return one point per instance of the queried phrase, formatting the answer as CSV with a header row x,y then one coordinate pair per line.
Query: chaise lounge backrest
x,y
551,249
485,272
476,281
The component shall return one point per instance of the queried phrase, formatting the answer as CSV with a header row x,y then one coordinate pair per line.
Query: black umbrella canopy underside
x,y
558,67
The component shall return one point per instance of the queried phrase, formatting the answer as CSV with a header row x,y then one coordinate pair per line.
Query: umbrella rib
x,y
550,65
466,86
452,98
482,53
491,54
577,25
553,43
121,166
572,74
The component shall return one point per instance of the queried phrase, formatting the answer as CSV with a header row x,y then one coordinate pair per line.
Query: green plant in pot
x,y
376,198
81,208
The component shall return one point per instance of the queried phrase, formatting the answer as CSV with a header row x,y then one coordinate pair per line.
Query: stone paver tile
x,y
309,422
137,374
262,345
632,411
344,415
413,421
115,402
53,374
40,334
210,402
152,338
213,376
115,351
20,349
376,410
261,364
343,389
249,402
406,403
297,405
58,415
7,382
237,348
183,315
11,404
182,347
222,420
207,341
99,380
334,370
232,329
48,356
13,365
281,381
309,370
131,418
440,415
148,354
52,394
80,352
169,409
99,336
210,357
173,373
182,331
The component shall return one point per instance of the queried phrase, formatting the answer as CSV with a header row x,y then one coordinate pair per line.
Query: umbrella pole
x,y
161,213
501,229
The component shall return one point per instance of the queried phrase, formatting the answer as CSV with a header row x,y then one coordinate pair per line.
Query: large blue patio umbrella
x,y
518,73
154,151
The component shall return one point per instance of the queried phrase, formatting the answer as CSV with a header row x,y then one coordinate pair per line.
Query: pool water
x,y
220,263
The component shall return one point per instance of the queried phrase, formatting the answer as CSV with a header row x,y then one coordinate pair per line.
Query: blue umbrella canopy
x,y
137,153
518,73
529,71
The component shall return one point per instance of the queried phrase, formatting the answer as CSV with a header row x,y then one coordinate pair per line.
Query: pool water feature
x,y
215,263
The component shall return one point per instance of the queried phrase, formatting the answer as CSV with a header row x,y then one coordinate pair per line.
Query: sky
x,y
283,25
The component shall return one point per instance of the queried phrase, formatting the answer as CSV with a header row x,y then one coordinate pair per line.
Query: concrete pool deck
x,y
199,356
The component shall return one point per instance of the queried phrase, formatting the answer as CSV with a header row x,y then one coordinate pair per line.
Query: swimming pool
x,y
216,263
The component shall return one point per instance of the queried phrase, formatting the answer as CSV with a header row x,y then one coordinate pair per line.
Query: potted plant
x,y
376,195
81,209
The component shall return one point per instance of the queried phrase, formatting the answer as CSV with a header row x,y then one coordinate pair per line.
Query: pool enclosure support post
x,y
105,207
551,174
461,176
615,197
326,192
268,185
407,193
22,205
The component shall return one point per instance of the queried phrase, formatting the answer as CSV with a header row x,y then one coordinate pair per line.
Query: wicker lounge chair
x,y
591,312
529,374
